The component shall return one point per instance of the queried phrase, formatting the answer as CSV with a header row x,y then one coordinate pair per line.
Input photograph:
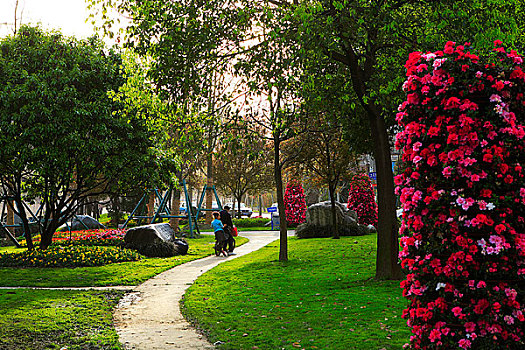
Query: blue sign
x,y
372,176
271,209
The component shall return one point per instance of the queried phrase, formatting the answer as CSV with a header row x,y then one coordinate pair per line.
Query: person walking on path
x,y
227,222
220,236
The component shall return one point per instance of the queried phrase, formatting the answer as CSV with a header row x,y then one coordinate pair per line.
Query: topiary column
x,y
295,203
463,195
361,199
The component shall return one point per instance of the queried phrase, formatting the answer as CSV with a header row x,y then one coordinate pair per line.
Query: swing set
x,y
163,210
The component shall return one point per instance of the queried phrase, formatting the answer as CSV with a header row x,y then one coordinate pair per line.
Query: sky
x,y
68,16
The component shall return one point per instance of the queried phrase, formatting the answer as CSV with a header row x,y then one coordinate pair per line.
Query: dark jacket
x,y
226,218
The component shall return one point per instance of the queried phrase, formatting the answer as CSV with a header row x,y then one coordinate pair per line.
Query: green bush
x,y
68,256
310,231
251,222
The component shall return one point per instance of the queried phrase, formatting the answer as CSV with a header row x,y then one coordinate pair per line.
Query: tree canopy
x,y
62,139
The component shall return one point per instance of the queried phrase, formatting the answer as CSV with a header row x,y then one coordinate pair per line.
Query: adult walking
x,y
227,222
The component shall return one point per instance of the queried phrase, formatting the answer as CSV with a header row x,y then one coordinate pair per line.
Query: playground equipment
x,y
163,209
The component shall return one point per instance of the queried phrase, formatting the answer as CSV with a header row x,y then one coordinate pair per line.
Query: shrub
x,y
361,199
294,204
311,231
251,222
463,241
68,256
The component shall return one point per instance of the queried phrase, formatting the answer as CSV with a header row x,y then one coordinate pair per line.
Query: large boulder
x,y
149,234
155,240
319,221
82,222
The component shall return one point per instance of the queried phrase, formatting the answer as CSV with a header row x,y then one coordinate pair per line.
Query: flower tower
x,y
295,203
361,199
463,195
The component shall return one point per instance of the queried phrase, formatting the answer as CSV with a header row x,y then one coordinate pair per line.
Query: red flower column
x,y
463,194
295,203
361,199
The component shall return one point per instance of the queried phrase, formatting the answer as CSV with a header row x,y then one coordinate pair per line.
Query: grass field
x,y
75,320
56,319
324,297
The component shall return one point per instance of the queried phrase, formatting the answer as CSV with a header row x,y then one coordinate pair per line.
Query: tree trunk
x,y
283,225
115,206
151,205
331,190
387,266
46,238
175,208
209,191
239,207
10,216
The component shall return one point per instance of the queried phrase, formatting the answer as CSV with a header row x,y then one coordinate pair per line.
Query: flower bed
x,y
68,256
463,228
101,237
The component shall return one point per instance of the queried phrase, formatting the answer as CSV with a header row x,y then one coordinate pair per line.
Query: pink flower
x,y
464,343
435,334
470,327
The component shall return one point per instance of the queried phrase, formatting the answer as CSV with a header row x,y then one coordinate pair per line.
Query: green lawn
x,y
78,320
53,319
324,297
127,274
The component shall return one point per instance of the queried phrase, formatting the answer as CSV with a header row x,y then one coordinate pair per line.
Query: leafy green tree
x,y
62,139
268,67
187,43
371,40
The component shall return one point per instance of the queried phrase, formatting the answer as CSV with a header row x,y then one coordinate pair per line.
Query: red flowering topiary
x,y
463,195
294,203
361,199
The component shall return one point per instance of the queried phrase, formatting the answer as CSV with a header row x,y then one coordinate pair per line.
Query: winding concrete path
x,y
149,318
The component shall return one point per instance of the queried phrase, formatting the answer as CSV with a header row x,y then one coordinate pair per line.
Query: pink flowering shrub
x,y
361,200
294,203
463,195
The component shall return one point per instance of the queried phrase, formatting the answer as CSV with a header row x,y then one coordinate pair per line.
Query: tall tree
x,y
187,42
372,39
267,67
61,139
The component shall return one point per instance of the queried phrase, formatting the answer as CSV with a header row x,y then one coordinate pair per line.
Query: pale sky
x,y
68,16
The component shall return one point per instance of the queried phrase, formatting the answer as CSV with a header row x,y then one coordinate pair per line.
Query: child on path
x,y
220,237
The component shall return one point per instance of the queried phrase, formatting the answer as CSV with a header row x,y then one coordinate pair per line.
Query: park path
x,y
149,317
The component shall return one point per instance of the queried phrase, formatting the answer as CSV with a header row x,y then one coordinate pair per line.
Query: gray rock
x,y
155,240
149,234
320,214
319,221
82,222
